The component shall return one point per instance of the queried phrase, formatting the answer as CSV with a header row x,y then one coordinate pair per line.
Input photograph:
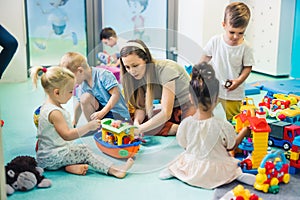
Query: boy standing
x,y
100,94
232,57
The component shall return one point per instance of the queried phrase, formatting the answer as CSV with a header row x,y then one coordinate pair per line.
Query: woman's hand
x,y
138,132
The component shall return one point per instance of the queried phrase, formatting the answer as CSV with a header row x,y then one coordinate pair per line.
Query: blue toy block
x,y
293,170
251,90
188,69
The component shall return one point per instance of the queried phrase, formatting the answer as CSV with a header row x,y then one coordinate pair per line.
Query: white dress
x,y
205,162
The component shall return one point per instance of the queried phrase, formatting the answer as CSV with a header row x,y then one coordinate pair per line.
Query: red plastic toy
x,y
273,170
294,156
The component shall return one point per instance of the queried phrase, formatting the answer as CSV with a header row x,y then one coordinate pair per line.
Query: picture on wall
x,y
138,19
54,27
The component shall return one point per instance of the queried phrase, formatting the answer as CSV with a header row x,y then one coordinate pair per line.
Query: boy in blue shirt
x,y
99,91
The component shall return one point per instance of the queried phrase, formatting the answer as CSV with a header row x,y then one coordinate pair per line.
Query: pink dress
x,y
205,162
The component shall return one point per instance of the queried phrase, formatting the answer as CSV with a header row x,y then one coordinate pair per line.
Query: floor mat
x,y
287,191
291,86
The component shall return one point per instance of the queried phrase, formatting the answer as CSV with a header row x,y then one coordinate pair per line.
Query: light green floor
x,y
17,103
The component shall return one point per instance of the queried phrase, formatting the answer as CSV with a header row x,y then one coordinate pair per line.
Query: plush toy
x,y
22,173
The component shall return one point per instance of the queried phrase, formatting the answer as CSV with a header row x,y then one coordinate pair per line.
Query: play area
x,y
150,100
152,155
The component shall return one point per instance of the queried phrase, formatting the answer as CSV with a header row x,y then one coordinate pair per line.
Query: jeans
x,y
9,45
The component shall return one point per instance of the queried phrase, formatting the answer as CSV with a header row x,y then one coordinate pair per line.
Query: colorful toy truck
x,y
276,103
291,98
291,114
282,134
272,107
248,105
116,139
272,171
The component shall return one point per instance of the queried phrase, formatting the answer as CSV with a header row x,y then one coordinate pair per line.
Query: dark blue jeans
x,y
9,45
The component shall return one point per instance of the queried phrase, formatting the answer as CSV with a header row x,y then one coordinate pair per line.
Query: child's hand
x,y
234,85
74,123
94,124
97,115
248,134
246,131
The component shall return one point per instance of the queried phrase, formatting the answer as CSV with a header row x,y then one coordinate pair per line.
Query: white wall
x,y
198,21
12,17
270,32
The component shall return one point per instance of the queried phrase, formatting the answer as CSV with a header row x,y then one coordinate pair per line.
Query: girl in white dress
x,y
207,140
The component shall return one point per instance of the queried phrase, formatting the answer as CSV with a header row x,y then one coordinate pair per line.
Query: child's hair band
x,y
44,69
135,44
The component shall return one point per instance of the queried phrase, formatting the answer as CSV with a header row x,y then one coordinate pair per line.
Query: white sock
x,y
165,174
247,178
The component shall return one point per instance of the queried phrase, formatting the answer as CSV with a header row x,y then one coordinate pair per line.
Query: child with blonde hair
x,y
99,95
56,133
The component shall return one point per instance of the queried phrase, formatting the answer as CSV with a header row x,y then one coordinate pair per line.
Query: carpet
x,y
288,191
291,86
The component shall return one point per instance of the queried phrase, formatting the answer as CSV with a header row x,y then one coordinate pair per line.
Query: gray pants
x,y
80,154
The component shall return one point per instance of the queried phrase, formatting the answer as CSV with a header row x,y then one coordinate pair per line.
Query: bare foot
x,y
120,171
79,169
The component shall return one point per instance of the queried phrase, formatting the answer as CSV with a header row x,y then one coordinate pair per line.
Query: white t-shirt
x,y
116,48
228,62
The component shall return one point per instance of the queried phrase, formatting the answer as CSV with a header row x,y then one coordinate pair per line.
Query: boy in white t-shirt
x,y
232,57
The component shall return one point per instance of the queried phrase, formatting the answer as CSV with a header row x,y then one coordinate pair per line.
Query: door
x,y
152,21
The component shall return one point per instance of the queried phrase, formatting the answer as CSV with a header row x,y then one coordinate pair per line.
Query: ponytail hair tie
x,y
44,69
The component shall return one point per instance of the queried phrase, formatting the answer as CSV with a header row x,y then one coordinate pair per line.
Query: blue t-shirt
x,y
103,81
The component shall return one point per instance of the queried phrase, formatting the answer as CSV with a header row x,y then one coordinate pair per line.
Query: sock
x,y
165,174
246,178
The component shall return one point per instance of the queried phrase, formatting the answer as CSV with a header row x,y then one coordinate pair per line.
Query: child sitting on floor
x,y
206,139
55,131
100,94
